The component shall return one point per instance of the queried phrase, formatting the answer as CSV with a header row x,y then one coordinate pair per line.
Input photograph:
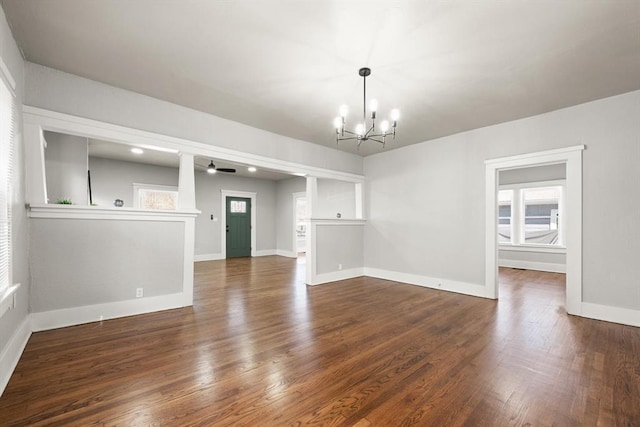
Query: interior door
x,y
238,227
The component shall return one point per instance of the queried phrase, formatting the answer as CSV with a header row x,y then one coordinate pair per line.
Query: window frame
x,y
137,187
518,214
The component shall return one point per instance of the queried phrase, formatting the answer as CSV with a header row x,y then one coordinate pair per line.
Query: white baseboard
x,y
334,276
94,313
13,351
265,252
608,313
533,265
429,282
207,257
288,254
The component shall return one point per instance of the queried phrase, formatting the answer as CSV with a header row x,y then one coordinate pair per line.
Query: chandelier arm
x,y
348,139
376,140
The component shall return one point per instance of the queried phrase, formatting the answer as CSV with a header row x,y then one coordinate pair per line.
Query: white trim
x,y
266,252
534,184
97,212
288,254
207,257
13,351
624,316
572,157
532,248
54,319
335,276
335,221
5,74
223,223
74,125
8,299
429,282
533,265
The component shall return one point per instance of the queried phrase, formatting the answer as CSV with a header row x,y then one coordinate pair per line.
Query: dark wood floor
x,y
259,348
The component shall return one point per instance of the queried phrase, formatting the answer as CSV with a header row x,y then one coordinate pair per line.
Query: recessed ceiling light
x,y
251,169
136,150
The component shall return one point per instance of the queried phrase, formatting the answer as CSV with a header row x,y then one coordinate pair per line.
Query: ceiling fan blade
x,y
228,170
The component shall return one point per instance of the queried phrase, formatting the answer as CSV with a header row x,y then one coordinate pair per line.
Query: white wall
x,y
113,179
12,330
66,93
339,247
426,216
72,261
284,215
208,200
66,164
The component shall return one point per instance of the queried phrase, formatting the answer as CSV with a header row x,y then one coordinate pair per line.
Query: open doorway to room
x,y
531,218
536,211
300,218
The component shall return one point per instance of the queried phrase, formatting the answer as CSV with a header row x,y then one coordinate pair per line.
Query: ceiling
x,y
158,157
286,66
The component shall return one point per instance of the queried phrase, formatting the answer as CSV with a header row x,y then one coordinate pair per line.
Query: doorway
x,y
300,218
572,158
238,227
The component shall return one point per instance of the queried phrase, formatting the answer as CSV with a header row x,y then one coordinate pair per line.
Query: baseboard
x,y
608,313
288,254
207,257
13,351
533,265
46,320
334,276
429,282
265,252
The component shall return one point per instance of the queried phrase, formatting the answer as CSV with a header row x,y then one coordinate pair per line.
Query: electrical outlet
x,y
339,266
139,292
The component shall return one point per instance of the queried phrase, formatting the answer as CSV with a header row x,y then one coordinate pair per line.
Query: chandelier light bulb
x,y
337,123
395,114
360,129
384,126
344,110
373,105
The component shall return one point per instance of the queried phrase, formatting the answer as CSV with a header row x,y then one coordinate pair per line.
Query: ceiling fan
x,y
212,169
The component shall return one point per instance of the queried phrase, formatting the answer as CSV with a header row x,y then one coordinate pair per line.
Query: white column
x,y
36,182
359,200
312,203
186,183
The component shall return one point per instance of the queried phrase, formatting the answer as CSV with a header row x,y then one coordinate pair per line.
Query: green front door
x,y
238,227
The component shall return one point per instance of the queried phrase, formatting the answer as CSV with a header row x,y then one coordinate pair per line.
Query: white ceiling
x,y
286,66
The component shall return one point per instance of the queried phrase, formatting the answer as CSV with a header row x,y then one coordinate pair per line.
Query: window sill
x,y
533,248
98,212
8,299
337,221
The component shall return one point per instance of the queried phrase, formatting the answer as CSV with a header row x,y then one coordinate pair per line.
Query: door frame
x,y
223,218
572,158
297,196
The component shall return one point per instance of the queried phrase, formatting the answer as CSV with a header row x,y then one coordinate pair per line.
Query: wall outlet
x,y
339,266
139,292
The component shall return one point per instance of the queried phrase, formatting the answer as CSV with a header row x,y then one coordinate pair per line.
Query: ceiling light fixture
x,y
364,131
251,169
211,168
136,150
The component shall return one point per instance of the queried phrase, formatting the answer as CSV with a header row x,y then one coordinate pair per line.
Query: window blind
x,y
7,136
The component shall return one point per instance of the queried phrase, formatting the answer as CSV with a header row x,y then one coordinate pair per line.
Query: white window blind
x,y
7,136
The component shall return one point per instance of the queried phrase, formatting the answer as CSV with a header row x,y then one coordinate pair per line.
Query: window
x,y
238,206
156,197
530,214
7,136
505,200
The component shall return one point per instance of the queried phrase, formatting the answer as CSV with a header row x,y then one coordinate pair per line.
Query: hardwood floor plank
x,y
260,348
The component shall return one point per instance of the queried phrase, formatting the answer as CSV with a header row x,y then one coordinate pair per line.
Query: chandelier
x,y
366,131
